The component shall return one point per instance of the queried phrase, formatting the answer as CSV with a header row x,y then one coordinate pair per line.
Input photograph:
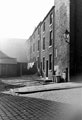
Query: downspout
x,y
53,40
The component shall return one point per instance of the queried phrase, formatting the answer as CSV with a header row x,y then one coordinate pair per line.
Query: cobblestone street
x,y
25,108
47,105
69,96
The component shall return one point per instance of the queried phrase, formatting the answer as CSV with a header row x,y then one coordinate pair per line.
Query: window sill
x,y
43,32
50,24
50,46
43,50
50,70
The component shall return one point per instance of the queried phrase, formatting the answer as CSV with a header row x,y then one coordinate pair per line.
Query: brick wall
x,y
62,20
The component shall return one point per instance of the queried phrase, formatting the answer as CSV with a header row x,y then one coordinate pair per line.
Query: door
x,y
46,68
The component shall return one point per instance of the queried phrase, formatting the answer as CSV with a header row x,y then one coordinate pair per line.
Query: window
x,y
50,61
34,47
38,61
38,44
56,52
43,63
31,49
51,18
43,43
43,26
51,38
38,31
34,36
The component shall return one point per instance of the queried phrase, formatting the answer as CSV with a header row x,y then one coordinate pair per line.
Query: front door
x,y
46,68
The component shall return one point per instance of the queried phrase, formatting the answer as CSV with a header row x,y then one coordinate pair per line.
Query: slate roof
x,y
5,59
3,55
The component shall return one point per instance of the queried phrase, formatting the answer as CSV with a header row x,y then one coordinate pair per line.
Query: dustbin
x,y
54,78
58,79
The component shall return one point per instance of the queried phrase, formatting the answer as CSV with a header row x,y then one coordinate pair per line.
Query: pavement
x,y
42,88
34,83
27,108
28,80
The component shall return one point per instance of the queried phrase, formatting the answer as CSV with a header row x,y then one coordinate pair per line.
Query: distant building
x,y
16,48
8,66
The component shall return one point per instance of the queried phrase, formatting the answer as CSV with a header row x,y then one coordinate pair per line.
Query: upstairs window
x,y
34,36
38,31
31,49
51,18
38,59
38,44
56,53
43,26
43,43
50,61
34,47
43,63
51,38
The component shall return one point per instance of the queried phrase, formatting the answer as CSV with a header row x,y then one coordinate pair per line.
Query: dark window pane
x,y
50,61
34,47
51,38
43,26
44,43
38,44
43,63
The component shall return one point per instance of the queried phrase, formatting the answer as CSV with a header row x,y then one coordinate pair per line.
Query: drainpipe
x,y
53,41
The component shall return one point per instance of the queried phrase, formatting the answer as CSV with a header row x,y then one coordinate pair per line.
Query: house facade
x,y
53,53
47,39
61,47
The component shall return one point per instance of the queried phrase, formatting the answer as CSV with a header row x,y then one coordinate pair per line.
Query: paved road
x,y
26,108
69,96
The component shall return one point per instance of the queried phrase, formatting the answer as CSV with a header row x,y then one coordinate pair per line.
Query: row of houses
x,y
47,46
56,43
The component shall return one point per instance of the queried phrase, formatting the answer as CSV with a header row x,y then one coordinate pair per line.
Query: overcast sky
x,y
18,18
